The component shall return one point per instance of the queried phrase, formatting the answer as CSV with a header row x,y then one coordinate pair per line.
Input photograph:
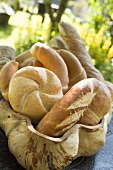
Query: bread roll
x,y
24,59
33,91
7,71
52,61
75,70
68,110
7,54
56,43
74,44
99,107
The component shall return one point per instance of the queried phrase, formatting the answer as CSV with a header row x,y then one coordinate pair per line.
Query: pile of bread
x,y
56,85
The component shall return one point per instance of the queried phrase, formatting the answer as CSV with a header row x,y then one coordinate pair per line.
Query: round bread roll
x,y
52,61
33,91
7,54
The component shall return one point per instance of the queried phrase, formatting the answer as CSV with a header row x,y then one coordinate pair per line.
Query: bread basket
x,y
34,150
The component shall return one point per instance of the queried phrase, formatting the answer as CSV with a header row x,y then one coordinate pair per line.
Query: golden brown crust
x,y
51,60
99,107
33,91
75,44
67,111
7,71
56,43
75,70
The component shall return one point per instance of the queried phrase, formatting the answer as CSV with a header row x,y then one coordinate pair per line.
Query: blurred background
x,y
25,22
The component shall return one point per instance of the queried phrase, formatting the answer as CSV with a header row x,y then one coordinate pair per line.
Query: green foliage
x,y
26,39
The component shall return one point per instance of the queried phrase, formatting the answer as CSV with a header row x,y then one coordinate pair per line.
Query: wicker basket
x,y
34,150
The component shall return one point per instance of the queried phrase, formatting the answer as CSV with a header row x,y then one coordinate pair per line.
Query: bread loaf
x,y
68,110
7,71
99,107
75,70
33,91
52,61
74,44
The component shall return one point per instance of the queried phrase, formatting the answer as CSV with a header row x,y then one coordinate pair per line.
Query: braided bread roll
x,y
33,91
52,61
68,110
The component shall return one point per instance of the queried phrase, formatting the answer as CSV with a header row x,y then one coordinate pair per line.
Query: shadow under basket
x,y
34,150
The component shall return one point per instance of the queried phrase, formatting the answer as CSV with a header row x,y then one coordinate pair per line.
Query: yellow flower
x,y
110,52
106,45
98,38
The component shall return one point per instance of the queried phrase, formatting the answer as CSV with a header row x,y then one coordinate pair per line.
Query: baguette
x,y
74,44
68,110
52,61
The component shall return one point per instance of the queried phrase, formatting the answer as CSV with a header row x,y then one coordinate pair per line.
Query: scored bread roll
x,y
99,107
52,61
7,71
68,110
75,70
33,91
75,44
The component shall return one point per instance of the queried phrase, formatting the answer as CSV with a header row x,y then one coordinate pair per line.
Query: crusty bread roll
x,y
24,59
7,71
75,44
7,54
56,43
75,70
99,107
51,60
33,91
68,110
